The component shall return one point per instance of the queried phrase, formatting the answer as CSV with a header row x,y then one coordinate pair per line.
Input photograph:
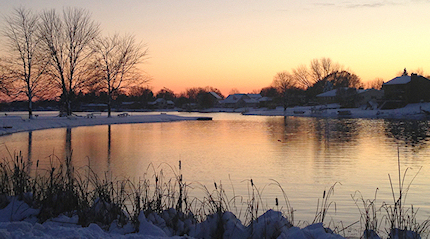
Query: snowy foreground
x,y
18,220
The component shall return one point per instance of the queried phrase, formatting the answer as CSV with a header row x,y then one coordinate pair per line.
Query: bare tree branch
x,y
26,66
303,77
116,59
67,39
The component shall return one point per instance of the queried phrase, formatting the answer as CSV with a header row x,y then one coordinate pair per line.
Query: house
x,y
99,107
241,100
327,97
265,102
406,89
350,97
214,99
369,98
161,103
215,95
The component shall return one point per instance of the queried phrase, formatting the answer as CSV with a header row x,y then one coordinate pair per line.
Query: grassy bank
x,y
63,190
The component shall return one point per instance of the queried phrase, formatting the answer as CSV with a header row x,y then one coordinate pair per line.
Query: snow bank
x,y
17,220
411,111
14,124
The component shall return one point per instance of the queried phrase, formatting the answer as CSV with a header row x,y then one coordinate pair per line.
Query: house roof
x,y
254,96
401,80
233,98
215,95
247,98
332,93
250,101
265,99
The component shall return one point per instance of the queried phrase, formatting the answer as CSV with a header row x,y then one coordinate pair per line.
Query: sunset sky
x,y
243,44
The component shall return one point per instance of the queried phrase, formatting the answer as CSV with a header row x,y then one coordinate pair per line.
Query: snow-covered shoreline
x,y
411,111
13,124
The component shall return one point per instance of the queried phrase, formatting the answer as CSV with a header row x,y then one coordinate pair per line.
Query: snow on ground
x,y
17,220
12,124
411,111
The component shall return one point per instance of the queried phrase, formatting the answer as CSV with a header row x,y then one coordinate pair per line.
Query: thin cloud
x,y
322,4
372,5
368,4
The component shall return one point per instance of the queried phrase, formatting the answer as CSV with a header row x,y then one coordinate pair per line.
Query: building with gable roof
x,y
351,97
406,89
242,100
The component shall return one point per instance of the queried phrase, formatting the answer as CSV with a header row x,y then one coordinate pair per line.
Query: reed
x,y
324,205
400,218
288,211
61,189
368,214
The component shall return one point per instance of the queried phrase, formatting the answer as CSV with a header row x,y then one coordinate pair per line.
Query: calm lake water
x,y
305,155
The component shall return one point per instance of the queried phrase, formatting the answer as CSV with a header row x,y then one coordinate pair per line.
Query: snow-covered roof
x,y
233,98
250,101
401,80
264,99
215,95
254,96
331,93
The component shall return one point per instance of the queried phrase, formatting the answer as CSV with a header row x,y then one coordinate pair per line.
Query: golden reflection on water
x,y
305,155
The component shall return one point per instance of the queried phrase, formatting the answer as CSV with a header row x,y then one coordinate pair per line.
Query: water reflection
x,y
335,130
325,133
68,143
109,152
30,143
413,133
304,154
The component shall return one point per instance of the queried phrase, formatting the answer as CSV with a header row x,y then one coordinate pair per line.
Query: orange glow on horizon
x,y
233,45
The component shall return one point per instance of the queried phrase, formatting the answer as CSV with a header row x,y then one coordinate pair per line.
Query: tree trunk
x,y
109,105
30,108
68,106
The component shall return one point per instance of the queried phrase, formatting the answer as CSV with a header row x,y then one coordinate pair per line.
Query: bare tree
x,y
316,70
375,84
26,65
5,83
302,77
419,71
320,68
328,66
344,79
234,91
116,59
284,82
67,38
